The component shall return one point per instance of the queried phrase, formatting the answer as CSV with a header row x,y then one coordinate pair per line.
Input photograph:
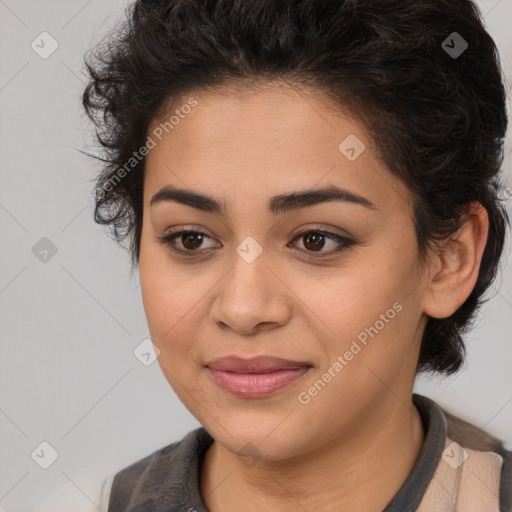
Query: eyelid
x,y
325,229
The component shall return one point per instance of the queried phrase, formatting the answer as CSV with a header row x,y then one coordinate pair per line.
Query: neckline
x,y
412,492
408,497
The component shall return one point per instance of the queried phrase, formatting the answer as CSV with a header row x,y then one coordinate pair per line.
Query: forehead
x,y
267,140
273,112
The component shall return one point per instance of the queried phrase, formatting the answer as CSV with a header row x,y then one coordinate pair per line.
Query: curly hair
x,y
438,116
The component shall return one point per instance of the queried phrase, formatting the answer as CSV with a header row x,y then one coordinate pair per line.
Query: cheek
x,y
173,310
369,350
168,297
172,305
176,303
369,313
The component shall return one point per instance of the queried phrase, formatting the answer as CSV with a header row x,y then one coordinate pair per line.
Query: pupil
x,y
313,239
185,238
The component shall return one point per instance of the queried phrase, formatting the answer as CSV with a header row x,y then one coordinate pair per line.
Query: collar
x,y
191,451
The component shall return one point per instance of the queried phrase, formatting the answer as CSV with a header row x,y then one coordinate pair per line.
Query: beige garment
x,y
467,478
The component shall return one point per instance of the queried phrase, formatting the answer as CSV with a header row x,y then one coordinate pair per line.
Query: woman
x,y
311,193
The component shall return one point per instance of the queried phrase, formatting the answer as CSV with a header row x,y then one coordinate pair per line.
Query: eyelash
x,y
344,242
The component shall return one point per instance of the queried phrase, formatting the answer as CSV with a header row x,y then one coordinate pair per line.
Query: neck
x,y
362,470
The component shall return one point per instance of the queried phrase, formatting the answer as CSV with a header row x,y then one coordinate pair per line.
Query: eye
x,y
314,240
189,239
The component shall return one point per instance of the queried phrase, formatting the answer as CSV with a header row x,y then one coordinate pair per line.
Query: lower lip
x,y
256,385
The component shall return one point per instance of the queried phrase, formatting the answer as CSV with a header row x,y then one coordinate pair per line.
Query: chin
x,y
269,444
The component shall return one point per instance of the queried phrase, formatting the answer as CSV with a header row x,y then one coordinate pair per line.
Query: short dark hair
x,y
438,116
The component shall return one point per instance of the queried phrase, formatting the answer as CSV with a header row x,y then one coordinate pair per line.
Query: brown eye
x,y
315,240
190,241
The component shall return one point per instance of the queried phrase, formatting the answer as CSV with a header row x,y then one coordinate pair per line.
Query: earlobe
x,y
456,265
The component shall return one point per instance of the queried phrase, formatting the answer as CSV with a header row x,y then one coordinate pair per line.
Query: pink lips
x,y
255,377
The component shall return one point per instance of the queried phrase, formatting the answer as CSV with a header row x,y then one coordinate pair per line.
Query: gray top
x,y
459,467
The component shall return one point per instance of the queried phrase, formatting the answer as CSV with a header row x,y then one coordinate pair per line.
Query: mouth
x,y
255,377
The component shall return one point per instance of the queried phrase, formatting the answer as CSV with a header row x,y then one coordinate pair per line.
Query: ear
x,y
455,265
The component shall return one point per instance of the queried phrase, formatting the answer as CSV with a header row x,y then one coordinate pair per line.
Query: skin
x,y
354,444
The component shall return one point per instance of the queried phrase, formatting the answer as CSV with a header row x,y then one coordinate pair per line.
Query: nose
x,y
251,297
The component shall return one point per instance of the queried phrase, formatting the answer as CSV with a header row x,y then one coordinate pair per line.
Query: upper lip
x,y
258,364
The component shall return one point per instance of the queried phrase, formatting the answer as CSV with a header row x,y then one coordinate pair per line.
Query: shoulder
x,y
475,468
485,463
168,475
87,492
181,451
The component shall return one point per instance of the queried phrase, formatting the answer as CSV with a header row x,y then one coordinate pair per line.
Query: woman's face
x,y
252,286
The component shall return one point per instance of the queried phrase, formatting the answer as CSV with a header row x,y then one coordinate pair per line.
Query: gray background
x,y
68,375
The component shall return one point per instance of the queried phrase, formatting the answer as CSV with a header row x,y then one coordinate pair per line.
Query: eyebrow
x,y
277,205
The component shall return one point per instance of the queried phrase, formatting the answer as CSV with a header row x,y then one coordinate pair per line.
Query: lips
x,y
257,365
255,377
